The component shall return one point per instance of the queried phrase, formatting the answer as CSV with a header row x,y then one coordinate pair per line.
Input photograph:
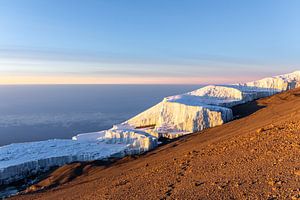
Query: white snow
x,y
208,106
23,159
174,116
90,136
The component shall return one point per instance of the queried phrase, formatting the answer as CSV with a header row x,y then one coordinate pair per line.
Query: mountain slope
x,y
173,117
256,156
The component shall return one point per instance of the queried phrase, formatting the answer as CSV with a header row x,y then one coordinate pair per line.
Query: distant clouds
x,y
60,119
39,66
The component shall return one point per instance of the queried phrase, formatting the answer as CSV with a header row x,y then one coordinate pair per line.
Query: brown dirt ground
x,y
255,157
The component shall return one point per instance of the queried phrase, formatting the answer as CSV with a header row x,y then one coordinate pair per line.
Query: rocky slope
x,y
255,157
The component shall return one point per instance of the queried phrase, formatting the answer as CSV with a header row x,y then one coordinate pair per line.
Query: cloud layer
x,y
61,119
38,66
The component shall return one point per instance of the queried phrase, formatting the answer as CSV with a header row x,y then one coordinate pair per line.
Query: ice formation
x,y
208,106
137,141
23,159
174,116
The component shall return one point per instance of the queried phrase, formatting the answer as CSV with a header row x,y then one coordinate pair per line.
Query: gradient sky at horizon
x,y
147,42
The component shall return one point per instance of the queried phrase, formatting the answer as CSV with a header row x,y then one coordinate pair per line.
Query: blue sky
x,y
139,41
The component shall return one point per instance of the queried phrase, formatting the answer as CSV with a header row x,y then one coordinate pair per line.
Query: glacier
x,y
208,106
174,116
23,159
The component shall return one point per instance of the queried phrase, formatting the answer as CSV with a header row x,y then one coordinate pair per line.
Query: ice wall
x,y
23,159
190,118
147,118
139,141
135,139
208,106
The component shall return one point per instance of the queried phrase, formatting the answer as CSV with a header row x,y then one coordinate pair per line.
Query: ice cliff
x,y
208,106
23,159
174,116
136,141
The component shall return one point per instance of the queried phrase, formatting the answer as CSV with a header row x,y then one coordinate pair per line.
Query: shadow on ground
x,y
246,109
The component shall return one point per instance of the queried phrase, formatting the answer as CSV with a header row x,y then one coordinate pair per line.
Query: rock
x,y
297,172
